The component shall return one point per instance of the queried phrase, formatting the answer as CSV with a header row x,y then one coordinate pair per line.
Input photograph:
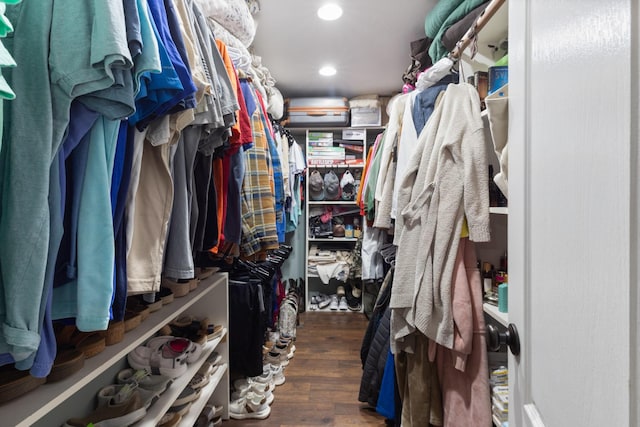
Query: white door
x,y
573,212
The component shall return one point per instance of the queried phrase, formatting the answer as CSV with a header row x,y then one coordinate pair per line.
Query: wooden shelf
x,y
492,310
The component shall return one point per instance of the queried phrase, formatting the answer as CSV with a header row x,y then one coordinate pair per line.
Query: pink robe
x,y
463,371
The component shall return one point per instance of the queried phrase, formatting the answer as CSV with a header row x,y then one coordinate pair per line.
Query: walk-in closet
x,y
279,213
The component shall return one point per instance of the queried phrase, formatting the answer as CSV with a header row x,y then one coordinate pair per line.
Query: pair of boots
x,y
297,287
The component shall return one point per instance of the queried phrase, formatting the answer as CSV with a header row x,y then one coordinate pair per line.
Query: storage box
x,y
318,111
366,116
353,134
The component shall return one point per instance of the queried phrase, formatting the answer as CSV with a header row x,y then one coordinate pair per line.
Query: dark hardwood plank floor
x,y
323,379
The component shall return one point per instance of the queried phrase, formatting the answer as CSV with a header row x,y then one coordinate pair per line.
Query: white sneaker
x,y
333,305
276,358
268,397
278,374
323,301
245,385
246,408
343,306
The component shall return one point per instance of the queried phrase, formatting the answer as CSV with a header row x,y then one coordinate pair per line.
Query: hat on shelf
x,y
331,186
346,183
316,186
338,229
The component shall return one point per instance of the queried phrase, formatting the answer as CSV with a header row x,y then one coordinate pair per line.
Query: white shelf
x,y
332,239
189,419
43,401
340,166
332,202
158,409
499,211
493,311
328,310
367,136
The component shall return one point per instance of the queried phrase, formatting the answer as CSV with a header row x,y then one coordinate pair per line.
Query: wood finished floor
x,y
323,379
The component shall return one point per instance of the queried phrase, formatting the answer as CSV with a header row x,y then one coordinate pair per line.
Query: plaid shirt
x,y
278,181
258,201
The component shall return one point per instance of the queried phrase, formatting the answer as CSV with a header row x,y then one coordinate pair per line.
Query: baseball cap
x,y
331,186
316,186
347,184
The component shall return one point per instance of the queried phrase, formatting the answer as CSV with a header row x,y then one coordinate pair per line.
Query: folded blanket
x,y
234,15
445,14
457,30
238,53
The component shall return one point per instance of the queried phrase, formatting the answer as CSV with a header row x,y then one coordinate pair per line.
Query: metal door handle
x,y
510,337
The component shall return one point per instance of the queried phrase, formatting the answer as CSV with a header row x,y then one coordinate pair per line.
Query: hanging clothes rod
x,y
478,25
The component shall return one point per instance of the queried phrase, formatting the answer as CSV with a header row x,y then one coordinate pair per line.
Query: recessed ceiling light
x,y
330,12
327,71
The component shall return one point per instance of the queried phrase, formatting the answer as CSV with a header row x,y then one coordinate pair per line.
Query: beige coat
x,y
445,182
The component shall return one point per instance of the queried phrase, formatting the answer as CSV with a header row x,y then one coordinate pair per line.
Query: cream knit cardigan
x,y
445,181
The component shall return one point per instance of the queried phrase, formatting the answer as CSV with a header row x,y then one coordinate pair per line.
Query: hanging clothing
x,y
462,371
258,208
444,183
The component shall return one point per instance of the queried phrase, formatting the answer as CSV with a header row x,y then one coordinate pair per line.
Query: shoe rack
x,y
52,404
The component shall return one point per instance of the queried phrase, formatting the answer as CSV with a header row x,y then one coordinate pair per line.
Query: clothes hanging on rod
x,y
436,322
142,157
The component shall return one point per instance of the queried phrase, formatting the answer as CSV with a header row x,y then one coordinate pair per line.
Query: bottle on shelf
x,y
356,228
488,282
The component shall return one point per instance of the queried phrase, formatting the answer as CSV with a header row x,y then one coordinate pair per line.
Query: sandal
x,y
136,306
145,380
15,383
132,320
105,394
179,287
165,295
68,361
89,343
114,333
191,349
203,273
168,360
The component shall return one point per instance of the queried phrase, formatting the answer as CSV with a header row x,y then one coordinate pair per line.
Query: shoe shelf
x,y
189,419
52,404
158,409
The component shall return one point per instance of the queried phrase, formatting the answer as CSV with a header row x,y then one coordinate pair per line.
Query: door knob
x,y
510,337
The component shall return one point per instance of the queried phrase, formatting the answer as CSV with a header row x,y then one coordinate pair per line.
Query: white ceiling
x,y
369,45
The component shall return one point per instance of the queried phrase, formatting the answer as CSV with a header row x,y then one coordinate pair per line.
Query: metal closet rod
x,y
478,25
